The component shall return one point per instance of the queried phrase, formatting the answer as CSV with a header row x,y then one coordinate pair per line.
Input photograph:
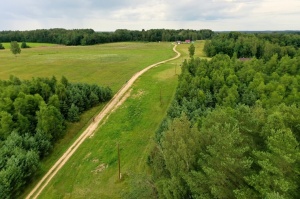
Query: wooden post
x,y
160,97
119,162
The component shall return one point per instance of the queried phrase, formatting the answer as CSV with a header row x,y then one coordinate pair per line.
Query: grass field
x,y
199,45
93,170
133,125
31,45
106,64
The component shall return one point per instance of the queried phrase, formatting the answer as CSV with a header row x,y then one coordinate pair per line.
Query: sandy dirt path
x,y
90,129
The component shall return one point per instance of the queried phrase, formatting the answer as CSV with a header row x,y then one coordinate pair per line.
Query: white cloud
x,y
136,14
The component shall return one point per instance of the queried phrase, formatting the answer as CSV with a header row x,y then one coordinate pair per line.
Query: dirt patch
x,y
100,168
138,94
87,155
127,94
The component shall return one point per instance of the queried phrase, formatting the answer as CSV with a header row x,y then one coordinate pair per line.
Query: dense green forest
x,y
233,129
90,37
33,115
259,45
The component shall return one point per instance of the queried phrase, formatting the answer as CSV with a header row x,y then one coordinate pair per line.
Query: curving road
x,y
90,129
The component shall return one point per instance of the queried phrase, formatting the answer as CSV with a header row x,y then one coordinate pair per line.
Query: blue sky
x,y
110,15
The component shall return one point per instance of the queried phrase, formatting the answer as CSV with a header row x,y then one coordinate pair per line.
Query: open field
x,y
106,64
166,81
92,171
31,45
34,62
199,45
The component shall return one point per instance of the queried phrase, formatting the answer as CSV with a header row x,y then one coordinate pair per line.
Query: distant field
x,y
106,64
31,45
199,45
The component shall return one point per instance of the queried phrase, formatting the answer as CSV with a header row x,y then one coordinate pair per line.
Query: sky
x,y
109,15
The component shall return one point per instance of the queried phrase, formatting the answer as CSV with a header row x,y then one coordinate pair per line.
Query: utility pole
x,y
160,97
119,162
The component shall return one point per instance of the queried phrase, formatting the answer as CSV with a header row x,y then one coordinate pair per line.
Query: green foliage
x,y
29,126
15,48
260,45
191,50
1,46
24,45
232,130
90,37
73,113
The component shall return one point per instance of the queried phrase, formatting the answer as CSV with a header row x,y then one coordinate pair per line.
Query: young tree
x,y
192,50
24,45
15,48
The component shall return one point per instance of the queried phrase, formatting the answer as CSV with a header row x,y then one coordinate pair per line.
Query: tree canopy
x,y
33,116
232,130
90,37
15,48
259,45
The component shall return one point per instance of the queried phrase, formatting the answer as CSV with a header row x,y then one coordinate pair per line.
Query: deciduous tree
x,y
15,48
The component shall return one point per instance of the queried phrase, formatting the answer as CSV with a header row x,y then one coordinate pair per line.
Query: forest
x,y
259,45
91,37
233,130
33,116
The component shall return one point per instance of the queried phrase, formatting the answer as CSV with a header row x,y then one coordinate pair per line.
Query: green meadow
x,y
92,172
107,64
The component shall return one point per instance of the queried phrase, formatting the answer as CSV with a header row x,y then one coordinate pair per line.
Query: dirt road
x,y
90,129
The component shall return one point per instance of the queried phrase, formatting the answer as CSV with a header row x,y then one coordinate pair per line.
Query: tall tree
x,y
192,50
15,48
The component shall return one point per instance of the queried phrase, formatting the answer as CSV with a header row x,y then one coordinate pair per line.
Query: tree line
x,y
259,45
33,116
90,37
232,130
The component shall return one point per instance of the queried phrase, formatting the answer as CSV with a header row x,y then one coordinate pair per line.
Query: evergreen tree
x,y
73,114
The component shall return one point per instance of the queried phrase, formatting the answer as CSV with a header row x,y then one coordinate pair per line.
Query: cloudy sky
x,y
109,15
